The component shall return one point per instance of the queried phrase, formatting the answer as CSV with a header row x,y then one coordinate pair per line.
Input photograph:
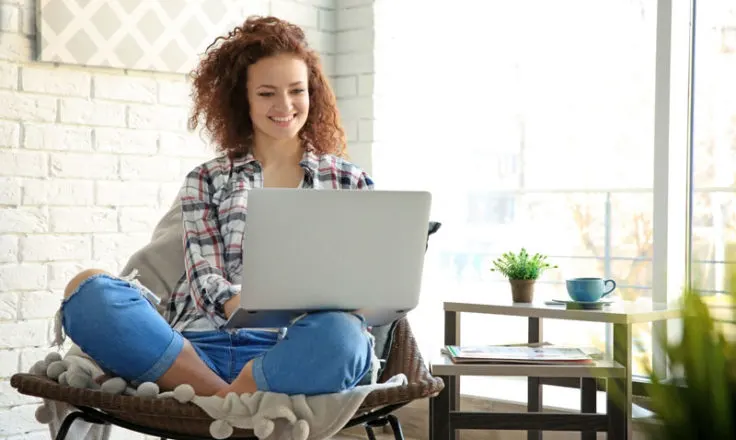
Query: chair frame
x,y
378,418
176,421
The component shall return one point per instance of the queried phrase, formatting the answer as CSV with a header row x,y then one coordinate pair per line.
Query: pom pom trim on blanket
x,y
271,416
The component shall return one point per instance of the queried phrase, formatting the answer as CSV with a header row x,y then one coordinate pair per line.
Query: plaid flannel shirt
x,y
214,206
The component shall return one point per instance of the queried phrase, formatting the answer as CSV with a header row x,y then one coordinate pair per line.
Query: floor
x,y
358,433
365,437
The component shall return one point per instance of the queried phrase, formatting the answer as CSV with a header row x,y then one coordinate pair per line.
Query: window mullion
x,y
672,164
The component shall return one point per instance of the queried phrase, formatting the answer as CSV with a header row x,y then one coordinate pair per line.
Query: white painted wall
x,y
90,159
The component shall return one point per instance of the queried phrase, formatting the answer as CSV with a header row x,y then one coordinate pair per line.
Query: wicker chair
x,y
170,419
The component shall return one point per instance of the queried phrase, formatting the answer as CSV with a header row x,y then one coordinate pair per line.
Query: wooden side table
x,y
445,417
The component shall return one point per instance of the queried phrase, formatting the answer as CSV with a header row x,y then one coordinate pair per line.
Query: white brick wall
x,y
90,159
354,72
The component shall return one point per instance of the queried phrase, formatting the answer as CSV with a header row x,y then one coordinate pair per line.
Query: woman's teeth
x,y
284,119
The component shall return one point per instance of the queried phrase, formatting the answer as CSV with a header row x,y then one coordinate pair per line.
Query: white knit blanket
x,y
272,416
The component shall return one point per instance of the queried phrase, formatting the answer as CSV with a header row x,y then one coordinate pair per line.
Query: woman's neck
x,y
272,152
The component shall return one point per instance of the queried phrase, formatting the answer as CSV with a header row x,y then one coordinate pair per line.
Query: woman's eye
x,y
265,94
298,91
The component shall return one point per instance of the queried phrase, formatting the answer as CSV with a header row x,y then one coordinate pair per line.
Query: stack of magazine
x,y
520,354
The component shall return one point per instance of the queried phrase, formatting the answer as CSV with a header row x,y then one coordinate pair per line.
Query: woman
x,y
262,96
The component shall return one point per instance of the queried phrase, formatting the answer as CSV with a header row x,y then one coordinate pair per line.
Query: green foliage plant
x,y
700,403
522,265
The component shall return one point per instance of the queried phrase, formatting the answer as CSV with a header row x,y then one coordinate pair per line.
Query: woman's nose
x,y
283,102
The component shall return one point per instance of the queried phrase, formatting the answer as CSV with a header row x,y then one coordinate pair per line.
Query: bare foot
x,y
244,383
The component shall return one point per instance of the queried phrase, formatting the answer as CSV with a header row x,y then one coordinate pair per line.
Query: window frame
x,y
672,172
673,165
673,175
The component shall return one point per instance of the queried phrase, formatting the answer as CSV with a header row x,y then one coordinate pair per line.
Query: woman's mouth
x,y
283,121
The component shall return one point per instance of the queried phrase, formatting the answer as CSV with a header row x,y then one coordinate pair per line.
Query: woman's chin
x,y
284,134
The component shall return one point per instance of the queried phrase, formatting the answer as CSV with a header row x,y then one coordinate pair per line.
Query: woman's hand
x,y
231,305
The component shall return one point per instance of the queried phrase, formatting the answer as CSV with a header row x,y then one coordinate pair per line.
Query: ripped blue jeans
x,y
111,320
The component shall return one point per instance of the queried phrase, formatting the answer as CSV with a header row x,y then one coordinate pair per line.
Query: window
x,y
490,209
532,123
714,147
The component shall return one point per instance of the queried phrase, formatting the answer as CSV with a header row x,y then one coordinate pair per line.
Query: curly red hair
x,y
219,87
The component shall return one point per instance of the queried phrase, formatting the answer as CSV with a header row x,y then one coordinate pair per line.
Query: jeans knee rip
x,y
59,333
130,279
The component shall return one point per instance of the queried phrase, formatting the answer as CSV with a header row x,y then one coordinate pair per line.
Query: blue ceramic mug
x,y
589,289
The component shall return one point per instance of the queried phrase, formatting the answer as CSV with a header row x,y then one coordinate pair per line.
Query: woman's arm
x,y
209,285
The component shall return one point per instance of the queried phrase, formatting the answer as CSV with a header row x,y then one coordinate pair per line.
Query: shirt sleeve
x,y
364,182
204,248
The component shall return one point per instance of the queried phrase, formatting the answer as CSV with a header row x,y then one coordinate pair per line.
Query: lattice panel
x,y
159,35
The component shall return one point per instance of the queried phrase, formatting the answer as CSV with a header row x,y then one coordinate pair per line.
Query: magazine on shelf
x,y
518,354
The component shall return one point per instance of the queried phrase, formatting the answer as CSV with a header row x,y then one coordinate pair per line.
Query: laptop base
x,y
242,318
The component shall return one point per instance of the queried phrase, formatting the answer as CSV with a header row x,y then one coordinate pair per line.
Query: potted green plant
x,y
701,401
522,271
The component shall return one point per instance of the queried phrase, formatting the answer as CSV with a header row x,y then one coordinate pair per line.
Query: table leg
x,y
439,413
432,434
534,387
619,403
452,383
588,391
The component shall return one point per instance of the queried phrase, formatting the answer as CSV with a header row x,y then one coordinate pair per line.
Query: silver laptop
x,y
310,250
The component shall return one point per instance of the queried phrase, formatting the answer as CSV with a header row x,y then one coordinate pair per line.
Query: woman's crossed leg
x,y
111,320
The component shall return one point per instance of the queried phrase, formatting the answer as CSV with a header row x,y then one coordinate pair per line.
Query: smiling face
x,y
278,96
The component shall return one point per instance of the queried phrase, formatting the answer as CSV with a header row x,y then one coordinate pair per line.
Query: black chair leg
x,y
369,431
395,426
69,419
380,422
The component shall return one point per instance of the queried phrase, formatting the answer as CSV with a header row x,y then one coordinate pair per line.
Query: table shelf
x,y
619,312
443,366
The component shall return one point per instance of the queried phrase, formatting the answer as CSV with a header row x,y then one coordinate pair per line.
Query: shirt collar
x,y
310,161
